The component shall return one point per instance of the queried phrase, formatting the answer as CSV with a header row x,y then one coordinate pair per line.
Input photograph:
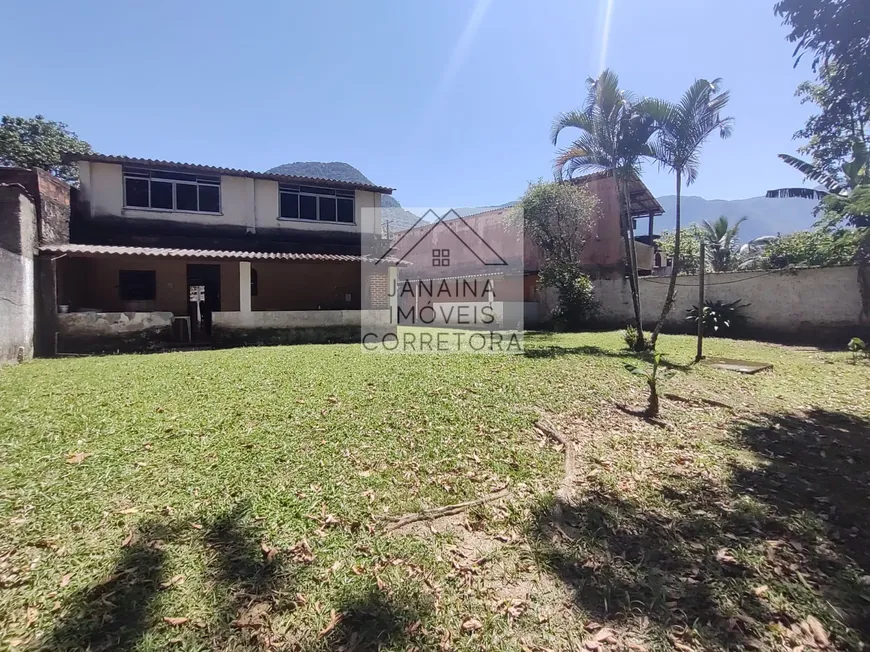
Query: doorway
x,y
204,297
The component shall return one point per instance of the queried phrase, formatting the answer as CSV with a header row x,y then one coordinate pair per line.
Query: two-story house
x,y
164,251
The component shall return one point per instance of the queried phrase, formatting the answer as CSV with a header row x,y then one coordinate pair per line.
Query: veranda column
x,y
244,287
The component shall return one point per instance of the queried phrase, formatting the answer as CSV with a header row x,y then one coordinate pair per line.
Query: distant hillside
x,y
393,214
766,216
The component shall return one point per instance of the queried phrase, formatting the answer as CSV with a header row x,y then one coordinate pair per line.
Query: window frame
x,y
316,192
152,283
166,176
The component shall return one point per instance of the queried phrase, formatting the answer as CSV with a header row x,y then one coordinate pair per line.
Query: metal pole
x,y
700,354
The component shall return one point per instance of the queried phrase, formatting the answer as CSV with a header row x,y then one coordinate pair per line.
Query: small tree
x,y
39,143
690,248
559,217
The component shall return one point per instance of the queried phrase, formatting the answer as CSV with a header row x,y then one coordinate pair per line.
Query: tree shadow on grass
x,y
372,620
549,352
115,613
743,564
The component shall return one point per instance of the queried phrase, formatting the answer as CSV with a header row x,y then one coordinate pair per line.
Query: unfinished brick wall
x,y
52,197
379,288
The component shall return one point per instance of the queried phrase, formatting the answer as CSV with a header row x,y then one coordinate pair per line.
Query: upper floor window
x,y
313,203
171,191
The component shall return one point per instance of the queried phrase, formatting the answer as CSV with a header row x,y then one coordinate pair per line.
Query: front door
x,y
204,290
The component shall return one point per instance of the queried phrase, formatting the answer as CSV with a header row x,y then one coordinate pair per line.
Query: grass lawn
x,y
237,500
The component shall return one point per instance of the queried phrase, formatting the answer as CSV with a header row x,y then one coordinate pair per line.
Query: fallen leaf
x,y
253,616
129,510
760,590
724,556
333,621
178,579
196,526
471,625
818,631
128,540
591,645
268,553
301,552
77,458
64,581
603,634
175,621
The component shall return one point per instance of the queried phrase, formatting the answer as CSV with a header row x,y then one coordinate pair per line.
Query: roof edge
x,y
71,157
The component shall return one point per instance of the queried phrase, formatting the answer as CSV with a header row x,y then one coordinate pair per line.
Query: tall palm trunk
x,y
672,286
631,254
863,256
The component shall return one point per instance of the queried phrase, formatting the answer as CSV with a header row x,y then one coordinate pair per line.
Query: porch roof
x,y
162,252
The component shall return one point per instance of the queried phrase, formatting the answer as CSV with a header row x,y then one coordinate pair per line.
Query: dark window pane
x,y
158,174
255,282
161,195
327,209
136,192
185,197
307,207
137,285
345,210
317,191
210,199
289,205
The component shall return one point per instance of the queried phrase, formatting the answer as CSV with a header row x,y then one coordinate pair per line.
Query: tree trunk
x,y
634,282
864,274
652,408
672,286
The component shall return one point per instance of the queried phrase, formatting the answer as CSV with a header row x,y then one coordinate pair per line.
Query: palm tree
x,y
615,129
683,129
721,240
842,194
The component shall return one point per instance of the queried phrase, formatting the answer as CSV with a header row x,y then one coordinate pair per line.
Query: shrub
x,y
652,377
859,349
576,295
630,337
720,318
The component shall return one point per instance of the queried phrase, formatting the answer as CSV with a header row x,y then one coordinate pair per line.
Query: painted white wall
x,y
785,301
248,202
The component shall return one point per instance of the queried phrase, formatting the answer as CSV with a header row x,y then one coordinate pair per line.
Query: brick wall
x,y
378,287
52,196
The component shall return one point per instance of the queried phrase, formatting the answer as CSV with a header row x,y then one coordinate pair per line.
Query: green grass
x,y
198,462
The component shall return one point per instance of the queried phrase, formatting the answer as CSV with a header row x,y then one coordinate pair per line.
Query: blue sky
x,y
449,102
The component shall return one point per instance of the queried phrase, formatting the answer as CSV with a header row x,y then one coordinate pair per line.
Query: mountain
x,y
766,216
392,212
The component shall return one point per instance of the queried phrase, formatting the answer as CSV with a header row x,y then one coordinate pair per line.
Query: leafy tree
x,y
835,32
816,248
39,143
843,120
559,218
721,240
683,129
615,128
690,248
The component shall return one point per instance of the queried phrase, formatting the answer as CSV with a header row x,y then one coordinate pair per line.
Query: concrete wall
x,y
18,240
807,304
306,286
251,203
293,327
109,331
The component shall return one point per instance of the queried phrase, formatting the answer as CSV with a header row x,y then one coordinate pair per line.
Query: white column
x,y
244,286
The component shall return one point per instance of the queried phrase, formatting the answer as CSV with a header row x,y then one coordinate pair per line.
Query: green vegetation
x,y
559,218
39,143
237,500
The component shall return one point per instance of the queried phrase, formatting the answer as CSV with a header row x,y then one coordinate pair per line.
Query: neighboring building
x,y
603,256
158,251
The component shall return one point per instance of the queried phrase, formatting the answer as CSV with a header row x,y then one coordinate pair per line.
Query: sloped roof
x,y
643,202
231,172
210,254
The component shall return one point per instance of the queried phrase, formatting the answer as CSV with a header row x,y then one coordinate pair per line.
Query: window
x,y
137,285
314,203
171,191
255,282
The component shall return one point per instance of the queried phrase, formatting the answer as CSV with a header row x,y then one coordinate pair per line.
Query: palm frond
x,y
814,173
